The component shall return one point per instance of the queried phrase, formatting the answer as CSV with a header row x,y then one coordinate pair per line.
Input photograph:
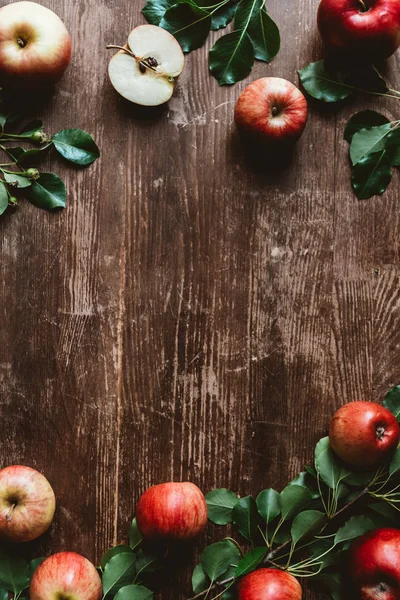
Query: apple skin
x,y
65,576
374,566
347,29
172,511
34,502
270,584
364,434
35,46
255,111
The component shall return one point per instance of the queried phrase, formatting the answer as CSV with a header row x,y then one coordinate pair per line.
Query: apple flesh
x,y
27,504
269,584
271,110
35,46
172,511
364,434
65,576
366,29
145,71
374,566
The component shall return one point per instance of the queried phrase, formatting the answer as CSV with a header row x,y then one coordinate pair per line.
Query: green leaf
x,y
392,146
33,152
392,401
306,523
3,198
385,510
363,120
307,480
76,146
218,558
371,175
48,192
34,564
135,537
353,528
119,571
31,127
15,153
250,561
17,181
360,479
265,36
368,141
223,16
14,573
245,12
200,581
293,499
146,562
323,85
231,58
220,503
134,592
331,471
245,517
154,10
395,463
5,112
4,594
332,582
188,23
113,552
268,505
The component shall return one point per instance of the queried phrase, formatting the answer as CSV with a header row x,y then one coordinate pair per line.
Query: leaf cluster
x,y
255,35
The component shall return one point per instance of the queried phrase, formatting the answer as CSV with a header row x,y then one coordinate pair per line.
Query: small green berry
x,y
39,137
33,173
13,200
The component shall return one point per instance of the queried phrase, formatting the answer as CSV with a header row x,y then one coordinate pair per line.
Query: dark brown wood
x,y
191,314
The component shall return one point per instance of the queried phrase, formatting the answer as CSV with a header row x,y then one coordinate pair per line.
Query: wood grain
x,y
192,314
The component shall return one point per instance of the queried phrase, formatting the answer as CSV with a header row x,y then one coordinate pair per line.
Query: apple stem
x,y
363,5
8,515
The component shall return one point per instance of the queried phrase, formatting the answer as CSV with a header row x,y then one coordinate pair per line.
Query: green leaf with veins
x,y
363,120
113,552
146,563
135,537
307,523
268,505
353,528
245,517
220,503
119,572
323,85
154,10
367,141
262,30
250,561
31,127
200,581
188,23
33,152
231,58
392,401
371,175
222,16
3,198
307,480
17,181
331,471
48,192
218,558
15,153
134,592
14,573
293,499
395,463
76,146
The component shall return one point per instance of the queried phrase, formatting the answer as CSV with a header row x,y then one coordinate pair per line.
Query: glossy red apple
x,y
27,503
271,110
364,434
35,46
367,29
172,511
269,584
65,576
374,566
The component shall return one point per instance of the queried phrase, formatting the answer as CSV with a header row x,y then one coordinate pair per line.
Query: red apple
x,y
65,576
364,434
368,29
27,504
271,110
374,566
269,584
172,511
35,47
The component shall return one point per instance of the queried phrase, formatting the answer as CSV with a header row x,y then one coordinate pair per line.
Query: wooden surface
x,y
190,315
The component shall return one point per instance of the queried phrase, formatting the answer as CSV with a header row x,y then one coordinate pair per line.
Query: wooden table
x,y
189,315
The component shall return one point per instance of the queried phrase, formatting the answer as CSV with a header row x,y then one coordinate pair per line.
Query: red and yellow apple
x,y
271,110
366,29
35,46
269,584
172,511
65,576
364,434
27,504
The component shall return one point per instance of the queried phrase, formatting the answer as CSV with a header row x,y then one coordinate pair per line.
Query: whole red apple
x,y
35,47
367,29
27,503
271,110
172,511
364,434
269,584
374,566
65,576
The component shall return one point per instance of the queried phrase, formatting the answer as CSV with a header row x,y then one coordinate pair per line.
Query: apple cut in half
x,y
145,70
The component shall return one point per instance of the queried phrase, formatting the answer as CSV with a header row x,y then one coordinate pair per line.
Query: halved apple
x,y
145,70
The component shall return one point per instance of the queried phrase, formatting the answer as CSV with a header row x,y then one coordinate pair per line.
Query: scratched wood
x,y
191,314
